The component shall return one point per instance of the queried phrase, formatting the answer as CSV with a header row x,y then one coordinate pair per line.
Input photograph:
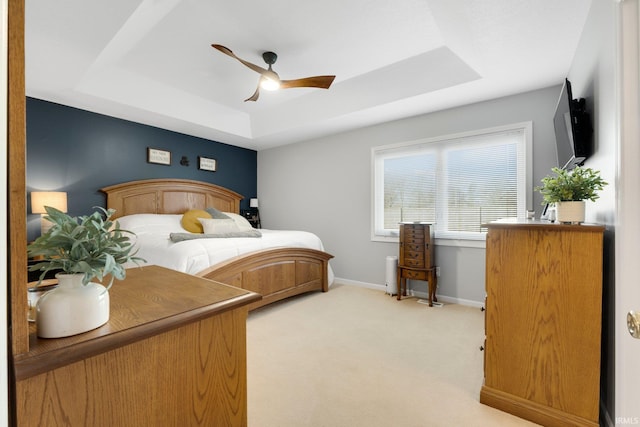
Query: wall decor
x,y
161,157
206,164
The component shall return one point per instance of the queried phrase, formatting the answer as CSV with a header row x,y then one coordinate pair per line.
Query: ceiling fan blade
x,y
230,53
322,82
258,69
255,95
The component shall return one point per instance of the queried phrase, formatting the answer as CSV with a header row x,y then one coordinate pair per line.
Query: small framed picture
x,y
206,164
160,157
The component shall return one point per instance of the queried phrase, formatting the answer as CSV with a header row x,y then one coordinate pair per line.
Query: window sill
x,y
461,243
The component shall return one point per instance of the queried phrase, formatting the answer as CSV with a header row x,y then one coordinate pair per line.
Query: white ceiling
x,y
151,61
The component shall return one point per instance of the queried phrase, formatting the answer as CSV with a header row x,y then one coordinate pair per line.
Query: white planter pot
x,y
71,308
571,212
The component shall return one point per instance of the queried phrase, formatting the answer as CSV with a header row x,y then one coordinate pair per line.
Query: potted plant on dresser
x,y
569,190
82,249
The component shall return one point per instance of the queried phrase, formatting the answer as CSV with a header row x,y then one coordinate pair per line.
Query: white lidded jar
x,y
71,308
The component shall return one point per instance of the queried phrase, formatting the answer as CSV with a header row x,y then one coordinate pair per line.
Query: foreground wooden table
x,y
173,353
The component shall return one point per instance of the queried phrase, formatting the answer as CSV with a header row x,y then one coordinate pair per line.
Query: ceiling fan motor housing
x,y
270,57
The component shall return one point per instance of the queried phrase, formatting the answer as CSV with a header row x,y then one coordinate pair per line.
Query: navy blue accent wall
x,y
80,152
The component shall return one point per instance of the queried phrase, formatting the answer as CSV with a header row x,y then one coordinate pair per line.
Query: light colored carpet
x,y
358,357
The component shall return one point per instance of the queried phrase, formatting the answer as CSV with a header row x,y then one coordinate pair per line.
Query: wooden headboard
x,y
169,196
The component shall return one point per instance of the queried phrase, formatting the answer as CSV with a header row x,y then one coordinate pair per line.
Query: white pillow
x,y
241,221
151,223
218,226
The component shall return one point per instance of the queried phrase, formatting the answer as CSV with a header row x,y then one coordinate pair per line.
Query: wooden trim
x,y
17,232
532,411
515,223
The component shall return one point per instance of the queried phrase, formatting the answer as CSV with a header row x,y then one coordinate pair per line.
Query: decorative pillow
x,y
218,226
190,221
216,214
241,221
151,223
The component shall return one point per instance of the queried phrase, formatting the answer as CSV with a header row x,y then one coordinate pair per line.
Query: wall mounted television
x,y
572,124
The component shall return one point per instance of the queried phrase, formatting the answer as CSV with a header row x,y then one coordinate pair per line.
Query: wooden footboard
x,y
275,274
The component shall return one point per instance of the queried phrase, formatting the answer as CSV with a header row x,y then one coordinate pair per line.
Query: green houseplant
x,y
576,186
91,245
81,249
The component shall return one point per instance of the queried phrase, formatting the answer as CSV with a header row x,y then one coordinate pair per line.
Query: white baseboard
x,y
461,301
383,288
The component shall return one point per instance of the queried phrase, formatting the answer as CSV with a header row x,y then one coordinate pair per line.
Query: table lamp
x,y
253,204
54,199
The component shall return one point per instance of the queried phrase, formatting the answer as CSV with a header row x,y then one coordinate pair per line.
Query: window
x,y
456,182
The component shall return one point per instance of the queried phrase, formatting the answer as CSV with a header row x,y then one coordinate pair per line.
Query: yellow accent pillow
x,y
190,220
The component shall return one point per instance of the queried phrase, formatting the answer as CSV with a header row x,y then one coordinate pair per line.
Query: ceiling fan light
x,y
269,84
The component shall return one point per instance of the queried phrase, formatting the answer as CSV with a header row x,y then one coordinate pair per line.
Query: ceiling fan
x,y
270,80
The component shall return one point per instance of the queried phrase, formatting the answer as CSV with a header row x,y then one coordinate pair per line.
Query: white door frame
x,y
627,234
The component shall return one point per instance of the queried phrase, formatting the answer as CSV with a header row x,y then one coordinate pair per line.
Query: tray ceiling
x,y
151,61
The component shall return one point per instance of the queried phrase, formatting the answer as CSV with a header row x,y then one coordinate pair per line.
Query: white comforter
x,y
192,256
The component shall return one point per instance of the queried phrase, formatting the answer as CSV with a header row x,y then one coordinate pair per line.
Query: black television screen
x,y
573,130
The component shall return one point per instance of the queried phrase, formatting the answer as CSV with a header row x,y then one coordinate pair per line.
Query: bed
x,y
269,265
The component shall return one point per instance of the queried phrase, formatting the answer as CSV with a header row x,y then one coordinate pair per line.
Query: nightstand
x,y
253,216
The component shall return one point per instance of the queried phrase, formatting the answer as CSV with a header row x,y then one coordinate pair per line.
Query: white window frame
x,y
525,186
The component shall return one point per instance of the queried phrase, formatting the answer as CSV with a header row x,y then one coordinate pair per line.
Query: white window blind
x,y
456,182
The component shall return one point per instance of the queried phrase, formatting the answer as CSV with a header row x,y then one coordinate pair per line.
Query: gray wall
x,y
324,186
593,77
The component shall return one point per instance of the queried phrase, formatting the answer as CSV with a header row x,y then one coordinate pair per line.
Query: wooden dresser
x,y
173,353
543,321
416,257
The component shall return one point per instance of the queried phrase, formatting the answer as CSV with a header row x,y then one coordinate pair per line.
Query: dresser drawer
x,y
413,231
414,240
414,262
414,254
414,247
414,274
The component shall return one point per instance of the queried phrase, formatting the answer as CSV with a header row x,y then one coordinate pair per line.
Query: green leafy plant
x,y
91,244
578,184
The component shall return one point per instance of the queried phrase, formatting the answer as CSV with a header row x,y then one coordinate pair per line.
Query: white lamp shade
x,y
55,199
253,203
